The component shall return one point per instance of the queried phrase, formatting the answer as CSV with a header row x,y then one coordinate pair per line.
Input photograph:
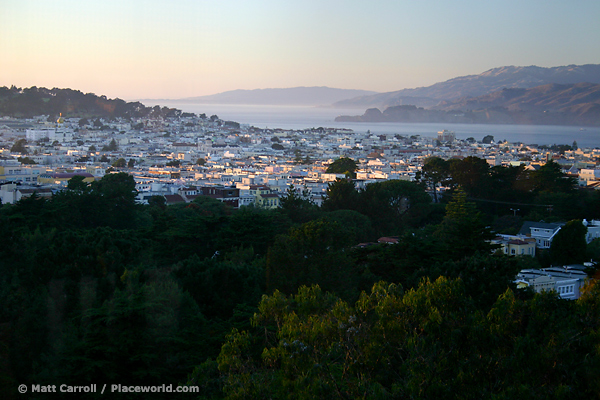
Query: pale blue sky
x,y
181,48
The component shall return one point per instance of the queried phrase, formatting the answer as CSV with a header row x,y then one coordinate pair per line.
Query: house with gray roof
x,y
542,232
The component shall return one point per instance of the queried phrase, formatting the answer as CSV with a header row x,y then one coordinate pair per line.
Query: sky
x,y
150,49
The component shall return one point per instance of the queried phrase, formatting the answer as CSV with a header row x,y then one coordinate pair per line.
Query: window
x,y
513,251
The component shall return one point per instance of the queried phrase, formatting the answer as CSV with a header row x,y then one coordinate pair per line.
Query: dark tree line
x,y
98,289
545,193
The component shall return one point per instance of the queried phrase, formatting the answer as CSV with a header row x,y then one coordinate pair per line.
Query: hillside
x,y
551,104
28,102
477,85
298,96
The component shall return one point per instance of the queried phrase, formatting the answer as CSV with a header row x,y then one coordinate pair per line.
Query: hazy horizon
x,y
181,49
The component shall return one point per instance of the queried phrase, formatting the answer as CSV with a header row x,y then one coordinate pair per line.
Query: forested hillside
x,y
28,102
285,303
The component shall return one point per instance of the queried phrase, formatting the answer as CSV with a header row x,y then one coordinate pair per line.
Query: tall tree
x,y
313,253
569,245
19,147
472,174
550,178
340,195
390,203
298,204
462,231
435,173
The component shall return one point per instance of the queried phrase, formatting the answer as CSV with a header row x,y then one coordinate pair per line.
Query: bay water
x,y
298,117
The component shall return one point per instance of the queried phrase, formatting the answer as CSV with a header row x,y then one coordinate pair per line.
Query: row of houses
x,y
258,195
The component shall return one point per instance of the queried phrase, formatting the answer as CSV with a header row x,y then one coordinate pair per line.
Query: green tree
x,y
472,174
550,178
569,245
25,160
435,173
117,194
298,204
119,163
341,195
144,333
485,276
19,147
297,157
487,139
313,253
221,284
389,204
77,183
251,227
429,342
343,165
509,184
389,345
462,231
359,226
112,146
131,163
157,201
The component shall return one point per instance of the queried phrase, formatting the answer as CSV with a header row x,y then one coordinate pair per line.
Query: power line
x,y
511,203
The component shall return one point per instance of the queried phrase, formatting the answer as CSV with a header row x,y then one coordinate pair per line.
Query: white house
x,y
542,232
567,281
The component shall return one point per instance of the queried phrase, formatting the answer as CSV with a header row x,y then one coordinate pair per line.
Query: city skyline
x,y
169,50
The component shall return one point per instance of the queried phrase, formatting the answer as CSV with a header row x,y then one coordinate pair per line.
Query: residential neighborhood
x,y
181,158
169,155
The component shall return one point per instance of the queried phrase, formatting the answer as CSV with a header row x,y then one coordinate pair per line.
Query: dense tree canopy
x,y
29,102
427,342
95,287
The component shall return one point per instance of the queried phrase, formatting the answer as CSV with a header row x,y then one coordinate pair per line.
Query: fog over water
x,y
294,117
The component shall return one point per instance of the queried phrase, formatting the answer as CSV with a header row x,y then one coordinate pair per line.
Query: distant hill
x,y
477,85
551,104
29,102
298,96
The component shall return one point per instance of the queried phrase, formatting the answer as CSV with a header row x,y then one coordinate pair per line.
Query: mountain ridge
x,y
477,85
299,96
550,104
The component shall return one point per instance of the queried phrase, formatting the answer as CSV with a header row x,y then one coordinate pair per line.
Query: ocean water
x,y
295,117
